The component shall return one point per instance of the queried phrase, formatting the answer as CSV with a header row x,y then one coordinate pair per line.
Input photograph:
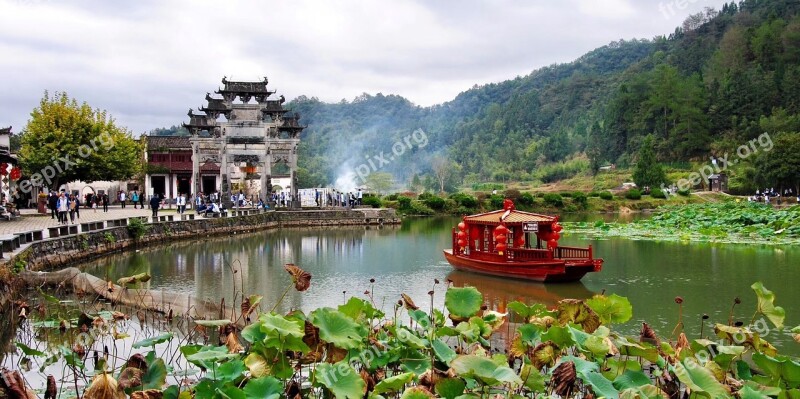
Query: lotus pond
x,y
300,342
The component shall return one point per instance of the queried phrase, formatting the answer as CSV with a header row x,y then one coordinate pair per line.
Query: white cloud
x,y
148,62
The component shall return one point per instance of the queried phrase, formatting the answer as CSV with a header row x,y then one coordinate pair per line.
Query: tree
x,y
648,171
444,169
380,182
780,165
65,141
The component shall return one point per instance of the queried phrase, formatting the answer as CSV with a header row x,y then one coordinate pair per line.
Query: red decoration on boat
x,y
462,235
16,173
508,205
532,256
3,169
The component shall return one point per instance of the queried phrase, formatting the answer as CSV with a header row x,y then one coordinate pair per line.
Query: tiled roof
x,y
169,142
513,217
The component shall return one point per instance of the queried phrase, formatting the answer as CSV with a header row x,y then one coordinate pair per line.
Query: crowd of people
x,y
66,207
768,195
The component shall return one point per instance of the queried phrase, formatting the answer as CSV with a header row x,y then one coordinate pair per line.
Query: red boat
x,y
517,244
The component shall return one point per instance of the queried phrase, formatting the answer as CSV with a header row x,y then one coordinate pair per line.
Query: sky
x,y
147,62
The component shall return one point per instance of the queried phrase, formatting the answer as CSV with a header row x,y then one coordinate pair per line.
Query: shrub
x,y
658,193
464,200
593,194
565,194
435,202
372,201
424,196
527,199
404,202
496,201
580,200
684,193
606,195
391,197
633,194
419,208
137,228
553,200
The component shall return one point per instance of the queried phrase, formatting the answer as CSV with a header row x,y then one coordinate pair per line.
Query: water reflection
x,y
407,259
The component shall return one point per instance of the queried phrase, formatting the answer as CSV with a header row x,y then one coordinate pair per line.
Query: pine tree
x,y
648,171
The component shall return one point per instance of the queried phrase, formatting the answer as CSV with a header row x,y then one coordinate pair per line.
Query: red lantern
x,y
521,241
557,228
16,173
555,236
3,169
462,235
462,226
552,244
501,238
501,247
500,230
462,243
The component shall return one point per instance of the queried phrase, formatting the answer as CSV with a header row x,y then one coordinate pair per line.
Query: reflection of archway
x,y
87,190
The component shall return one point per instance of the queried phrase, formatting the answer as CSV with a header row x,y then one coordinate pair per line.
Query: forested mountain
x,y
716,82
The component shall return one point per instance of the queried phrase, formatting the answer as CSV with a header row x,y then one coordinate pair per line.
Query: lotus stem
x,y
286,291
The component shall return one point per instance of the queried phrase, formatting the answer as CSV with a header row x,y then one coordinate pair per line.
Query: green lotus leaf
x,y
484,369
414,361
340,378
231,392
156,375
208,355
28,351
212,323
253,333
230,371
263,388
278,326
443,352
149,342
532,378
631,380
359,309
463,302
416,393
611,309
699,379
749,393
336,328
766,305
450,388
601,386
394,383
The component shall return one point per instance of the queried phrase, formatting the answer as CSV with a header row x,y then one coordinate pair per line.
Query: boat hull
x,y
552,271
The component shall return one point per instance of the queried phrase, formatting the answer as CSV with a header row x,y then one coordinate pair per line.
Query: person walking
x,y
122,199
63,207
77,206
105,202
135,198
155,202
181,203
73,205
52,203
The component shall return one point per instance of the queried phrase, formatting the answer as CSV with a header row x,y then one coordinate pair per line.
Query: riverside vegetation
x,y
359,351
727,222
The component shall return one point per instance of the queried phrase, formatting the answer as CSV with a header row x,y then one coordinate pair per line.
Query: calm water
x,y
407,259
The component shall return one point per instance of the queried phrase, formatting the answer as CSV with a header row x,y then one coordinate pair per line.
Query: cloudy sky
x,y
147,62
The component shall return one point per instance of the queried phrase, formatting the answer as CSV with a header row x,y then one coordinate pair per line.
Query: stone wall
x,y
60,252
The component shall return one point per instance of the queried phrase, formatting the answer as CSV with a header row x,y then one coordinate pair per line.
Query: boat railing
x,y
520,254
573,253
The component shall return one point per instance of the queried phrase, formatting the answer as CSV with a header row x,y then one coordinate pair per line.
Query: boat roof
x,y
514,217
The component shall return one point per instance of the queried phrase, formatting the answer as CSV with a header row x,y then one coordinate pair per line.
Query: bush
x,y
424,196
404,202
527,199
465,200
137,228
374,202
553,200
565,194
391,197
606,195
419,208
633,194
580,200
435,202
658,193
684,193
496,201
593,194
